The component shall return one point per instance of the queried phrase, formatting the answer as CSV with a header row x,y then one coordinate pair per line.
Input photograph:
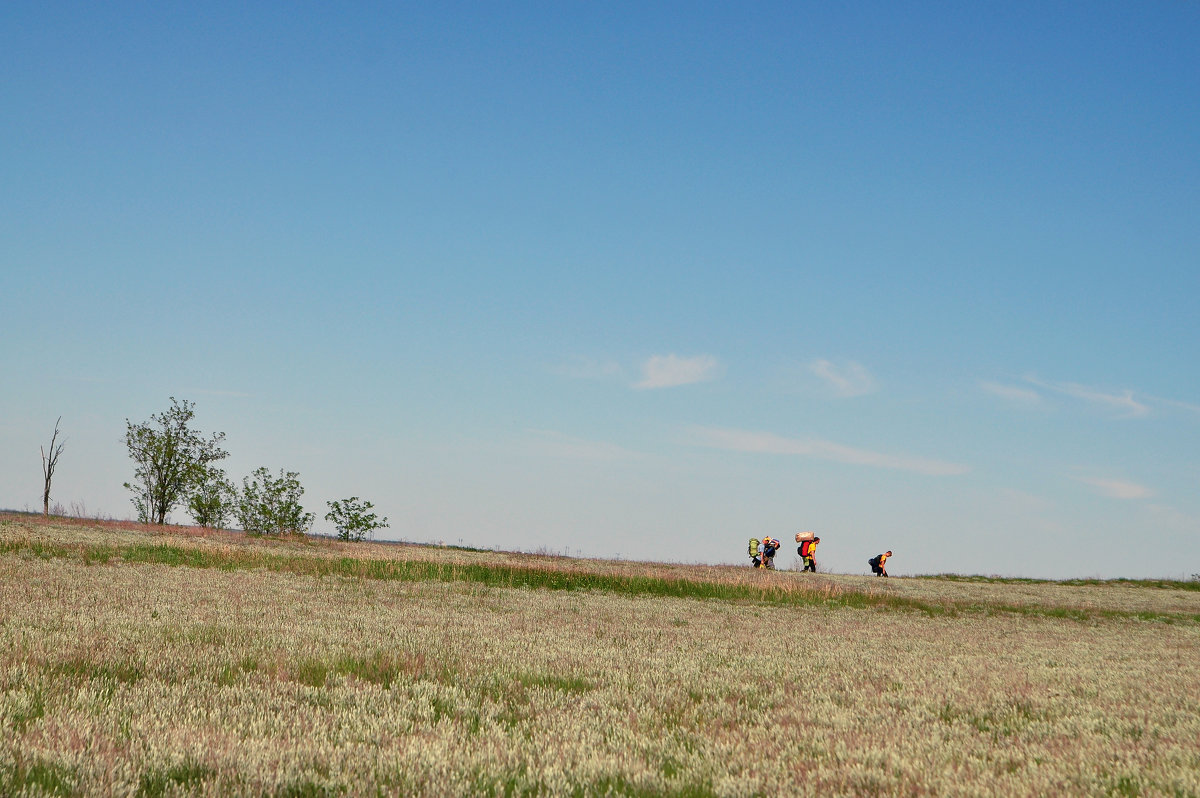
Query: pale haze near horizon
x,y
624,280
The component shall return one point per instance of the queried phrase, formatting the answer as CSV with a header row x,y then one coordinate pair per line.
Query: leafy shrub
x,y
212,503
270,505
354,518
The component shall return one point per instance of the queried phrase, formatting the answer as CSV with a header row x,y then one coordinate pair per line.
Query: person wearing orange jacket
x,y
878,563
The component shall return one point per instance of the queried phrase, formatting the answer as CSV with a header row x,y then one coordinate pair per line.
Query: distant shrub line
x,y
533,578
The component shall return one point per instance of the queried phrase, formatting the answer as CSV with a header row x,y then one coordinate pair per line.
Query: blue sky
x,y
625,279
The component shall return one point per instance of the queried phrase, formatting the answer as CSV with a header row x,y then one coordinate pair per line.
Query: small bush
x,y
212,504
271,506
354,519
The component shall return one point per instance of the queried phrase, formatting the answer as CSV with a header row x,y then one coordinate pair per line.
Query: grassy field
x,y
137,661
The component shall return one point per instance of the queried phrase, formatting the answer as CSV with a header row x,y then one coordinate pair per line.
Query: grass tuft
x,y
187,775
37,778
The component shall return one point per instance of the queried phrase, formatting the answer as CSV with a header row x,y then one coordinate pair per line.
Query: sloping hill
x,y
175,661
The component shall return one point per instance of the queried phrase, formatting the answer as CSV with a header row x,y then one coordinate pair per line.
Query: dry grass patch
x,y
131,677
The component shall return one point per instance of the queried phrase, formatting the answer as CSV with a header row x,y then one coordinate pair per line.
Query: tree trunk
x,y
48,465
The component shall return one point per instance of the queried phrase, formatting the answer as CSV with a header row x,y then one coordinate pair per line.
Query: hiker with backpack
x,y
769,547
808,551
878,563
762,552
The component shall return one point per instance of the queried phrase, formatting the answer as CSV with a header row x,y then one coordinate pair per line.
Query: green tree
x,y
170,460
212,501
271,506
354,518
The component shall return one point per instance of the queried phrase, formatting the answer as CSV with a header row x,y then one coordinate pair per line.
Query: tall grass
x,y
138,664
754,586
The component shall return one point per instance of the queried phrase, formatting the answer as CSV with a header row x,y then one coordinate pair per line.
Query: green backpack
x,y
754,546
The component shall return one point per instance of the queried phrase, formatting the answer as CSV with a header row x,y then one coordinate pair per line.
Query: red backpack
x,y
805,548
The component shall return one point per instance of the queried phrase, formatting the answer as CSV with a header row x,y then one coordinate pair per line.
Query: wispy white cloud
x,y
1025,397
1193,408
846,380
1122,403
550,443
668,371
739,440
1119,404
1117,488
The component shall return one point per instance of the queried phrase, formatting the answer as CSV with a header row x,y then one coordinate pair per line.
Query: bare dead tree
x,y
49,464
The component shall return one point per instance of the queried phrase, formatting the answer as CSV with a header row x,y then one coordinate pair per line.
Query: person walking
x,y
808,553
770,545
878,563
